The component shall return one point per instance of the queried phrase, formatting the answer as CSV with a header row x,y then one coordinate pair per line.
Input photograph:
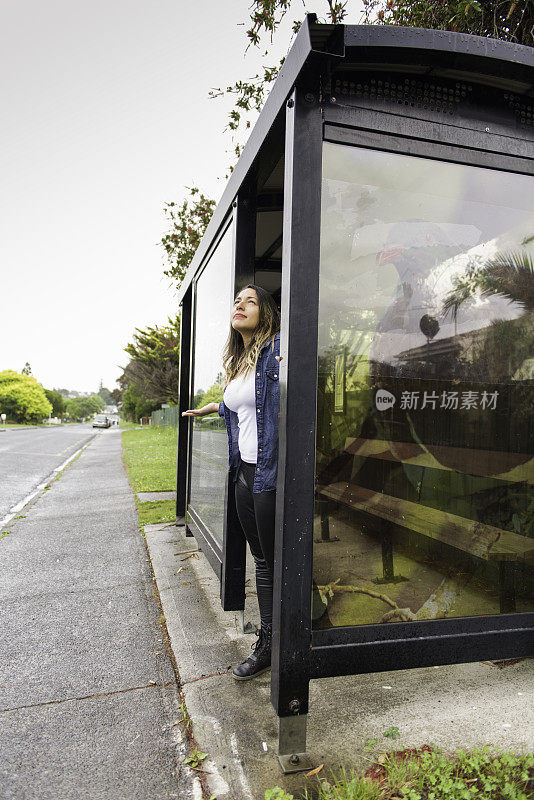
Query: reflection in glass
x,y
209,461
425,443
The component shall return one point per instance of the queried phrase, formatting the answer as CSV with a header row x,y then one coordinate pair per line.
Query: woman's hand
x,y
211,408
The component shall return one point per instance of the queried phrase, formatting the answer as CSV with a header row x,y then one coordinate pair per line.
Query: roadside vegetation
x,y
156,511
150,459
25,402
427,774
22,398
151,376
84,407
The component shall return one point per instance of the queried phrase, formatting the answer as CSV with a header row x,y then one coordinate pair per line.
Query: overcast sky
x,y
105,116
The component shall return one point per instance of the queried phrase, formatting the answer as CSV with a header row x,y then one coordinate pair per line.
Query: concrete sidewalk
x,y
454,707
88,695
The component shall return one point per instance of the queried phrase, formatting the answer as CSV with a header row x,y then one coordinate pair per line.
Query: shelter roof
x,y
320,50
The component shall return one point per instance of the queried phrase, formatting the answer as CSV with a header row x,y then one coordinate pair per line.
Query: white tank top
x,y
239,396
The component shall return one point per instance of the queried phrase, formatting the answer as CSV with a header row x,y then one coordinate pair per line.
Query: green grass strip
x,y
150,458
155,511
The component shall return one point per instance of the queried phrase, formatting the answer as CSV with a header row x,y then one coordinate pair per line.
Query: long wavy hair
x,y
236,358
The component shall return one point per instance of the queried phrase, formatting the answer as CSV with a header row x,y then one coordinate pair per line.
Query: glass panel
x,y
424,461
209,462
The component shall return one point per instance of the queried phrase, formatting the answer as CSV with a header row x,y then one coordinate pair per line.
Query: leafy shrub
x,y
22,398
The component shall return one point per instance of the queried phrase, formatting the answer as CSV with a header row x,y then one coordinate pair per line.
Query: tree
x,y
58,403
22,397
510,275
116,396
83,407
134,406
505,347
26,370
151,376
187,223
265,19
509,20
213,395
105,394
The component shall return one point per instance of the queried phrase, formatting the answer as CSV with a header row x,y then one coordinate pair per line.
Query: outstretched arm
x,y
211,408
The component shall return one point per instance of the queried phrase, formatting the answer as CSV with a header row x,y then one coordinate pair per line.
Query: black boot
x,y
260,660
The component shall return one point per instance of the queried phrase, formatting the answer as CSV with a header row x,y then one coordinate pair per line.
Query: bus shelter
x,y
385,196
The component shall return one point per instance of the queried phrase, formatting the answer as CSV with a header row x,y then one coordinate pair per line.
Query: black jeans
x,y
256,515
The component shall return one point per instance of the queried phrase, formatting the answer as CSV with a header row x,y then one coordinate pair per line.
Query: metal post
x,y
507,587
298,392
323,507
292,744
387,559
388,567
184,424
244,627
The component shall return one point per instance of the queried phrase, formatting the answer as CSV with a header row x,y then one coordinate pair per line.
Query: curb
x,y
233,722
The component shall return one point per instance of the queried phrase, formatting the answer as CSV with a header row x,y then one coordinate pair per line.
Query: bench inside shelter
x,y
491,544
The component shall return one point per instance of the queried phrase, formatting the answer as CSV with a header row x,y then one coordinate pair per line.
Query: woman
x,y
250,409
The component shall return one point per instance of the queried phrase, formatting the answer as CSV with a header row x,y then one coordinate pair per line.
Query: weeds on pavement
x,y
427,774
195,759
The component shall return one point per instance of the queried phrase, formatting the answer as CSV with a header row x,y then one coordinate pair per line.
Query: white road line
x,y
70,458
19,506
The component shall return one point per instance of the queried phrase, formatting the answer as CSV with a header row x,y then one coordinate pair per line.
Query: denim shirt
x,y
267,400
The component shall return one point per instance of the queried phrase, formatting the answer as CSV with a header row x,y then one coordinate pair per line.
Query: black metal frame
x,y
370,648
403,645
298,388
313,115
411,141
184,399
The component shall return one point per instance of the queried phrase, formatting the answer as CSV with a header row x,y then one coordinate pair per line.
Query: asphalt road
x,y
29,455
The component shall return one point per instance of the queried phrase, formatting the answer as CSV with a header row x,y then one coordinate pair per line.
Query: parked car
x,y
101,421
